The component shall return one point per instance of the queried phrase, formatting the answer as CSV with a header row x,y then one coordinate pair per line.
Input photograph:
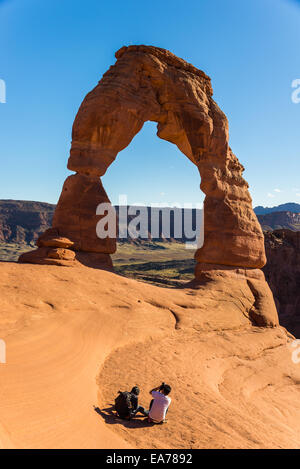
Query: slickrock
x,y
75,336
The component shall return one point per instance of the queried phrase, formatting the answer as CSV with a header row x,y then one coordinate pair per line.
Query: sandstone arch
x,y
149,83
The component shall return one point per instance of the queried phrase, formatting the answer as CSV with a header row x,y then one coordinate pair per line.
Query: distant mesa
x,y
280,220
23,221
283,275
288,207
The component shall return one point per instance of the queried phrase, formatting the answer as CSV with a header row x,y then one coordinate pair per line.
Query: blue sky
x,y
53,52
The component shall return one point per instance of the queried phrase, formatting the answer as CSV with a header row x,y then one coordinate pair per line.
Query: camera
x,y
162,386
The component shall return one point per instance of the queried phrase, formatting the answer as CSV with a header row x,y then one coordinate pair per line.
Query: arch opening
x,y
151,175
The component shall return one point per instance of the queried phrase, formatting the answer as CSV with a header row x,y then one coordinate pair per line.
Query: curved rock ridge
x,y
150,83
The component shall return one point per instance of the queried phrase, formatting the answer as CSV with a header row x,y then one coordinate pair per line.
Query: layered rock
x,y
283,275
151,84
24,221
73,238
279,220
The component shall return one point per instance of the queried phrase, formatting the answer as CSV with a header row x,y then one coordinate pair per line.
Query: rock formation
x,y
24,221
283,275
291,207
279,220
149,83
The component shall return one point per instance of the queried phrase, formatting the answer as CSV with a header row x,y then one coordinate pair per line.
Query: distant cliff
x,y
279,220
289,207
283,275
23,221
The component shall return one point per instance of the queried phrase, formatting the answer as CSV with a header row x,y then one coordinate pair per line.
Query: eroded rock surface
x,y
151,84
63,327
283,275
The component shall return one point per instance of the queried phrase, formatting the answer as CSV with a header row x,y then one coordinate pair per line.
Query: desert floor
x,y
159,263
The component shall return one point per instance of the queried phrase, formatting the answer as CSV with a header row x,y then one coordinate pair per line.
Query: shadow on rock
x,y
112,418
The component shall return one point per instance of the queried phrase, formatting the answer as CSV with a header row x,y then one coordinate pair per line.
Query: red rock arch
x,y
149,83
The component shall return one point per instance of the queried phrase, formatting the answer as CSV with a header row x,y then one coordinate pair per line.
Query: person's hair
x,y
135,390
166,389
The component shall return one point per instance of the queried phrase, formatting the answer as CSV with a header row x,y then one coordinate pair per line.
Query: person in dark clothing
x,y
135,391
129,406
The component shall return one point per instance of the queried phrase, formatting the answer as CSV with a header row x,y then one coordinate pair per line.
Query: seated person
x,y
126,404
159,404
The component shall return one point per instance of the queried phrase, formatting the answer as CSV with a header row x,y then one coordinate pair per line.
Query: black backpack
x,y
123,405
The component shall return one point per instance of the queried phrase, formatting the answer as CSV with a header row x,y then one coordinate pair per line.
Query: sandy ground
x,y
75,336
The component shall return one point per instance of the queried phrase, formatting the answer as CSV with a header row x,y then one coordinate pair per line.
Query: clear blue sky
x,y
54,51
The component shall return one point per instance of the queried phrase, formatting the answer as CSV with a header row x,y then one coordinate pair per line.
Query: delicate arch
x,y
149,83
